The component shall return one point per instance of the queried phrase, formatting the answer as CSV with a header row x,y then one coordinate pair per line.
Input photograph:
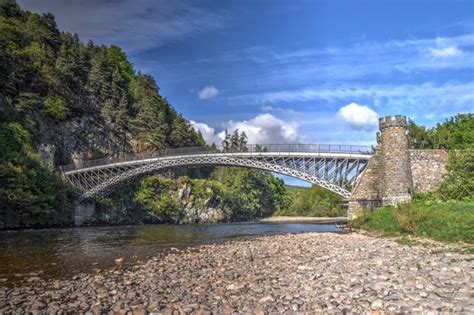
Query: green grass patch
x,y
449,221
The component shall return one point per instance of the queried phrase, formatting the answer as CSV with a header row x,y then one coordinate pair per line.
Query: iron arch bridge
x,y
334,167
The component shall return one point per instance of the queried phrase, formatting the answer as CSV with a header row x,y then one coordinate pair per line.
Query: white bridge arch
x,y
334,167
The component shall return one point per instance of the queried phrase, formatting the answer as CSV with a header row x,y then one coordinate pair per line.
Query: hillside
x,y
62,101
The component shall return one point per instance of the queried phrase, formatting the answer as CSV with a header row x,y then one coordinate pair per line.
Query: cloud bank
x,y
261,129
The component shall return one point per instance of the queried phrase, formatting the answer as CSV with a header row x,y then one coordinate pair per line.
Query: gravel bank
x,y
320,272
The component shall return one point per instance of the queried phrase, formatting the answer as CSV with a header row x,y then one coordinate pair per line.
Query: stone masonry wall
x,y
366,194
427,169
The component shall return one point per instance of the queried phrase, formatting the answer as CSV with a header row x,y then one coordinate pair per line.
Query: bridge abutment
x,y
394,169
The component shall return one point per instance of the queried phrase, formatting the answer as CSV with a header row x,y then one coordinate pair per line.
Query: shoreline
x,y
286,219
322,272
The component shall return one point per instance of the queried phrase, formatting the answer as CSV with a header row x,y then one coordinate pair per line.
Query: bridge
x,y
368,178
334,167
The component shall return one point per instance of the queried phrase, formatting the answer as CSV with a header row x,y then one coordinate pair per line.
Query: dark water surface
x,y
56,253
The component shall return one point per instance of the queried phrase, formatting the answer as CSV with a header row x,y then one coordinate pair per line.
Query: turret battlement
x,y
393,121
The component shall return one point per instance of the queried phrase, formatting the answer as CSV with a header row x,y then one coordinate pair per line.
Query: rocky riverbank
x,y
316,271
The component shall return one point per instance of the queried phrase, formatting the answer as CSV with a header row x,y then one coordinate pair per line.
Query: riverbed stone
x,y
293,273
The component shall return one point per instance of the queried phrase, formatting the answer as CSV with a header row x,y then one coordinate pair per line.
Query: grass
x,y
448,221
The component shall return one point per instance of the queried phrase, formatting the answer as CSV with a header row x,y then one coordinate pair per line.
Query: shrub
x,y
458,182
56,107
409,216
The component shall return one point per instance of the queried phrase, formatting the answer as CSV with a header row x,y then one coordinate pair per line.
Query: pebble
x,y
293,273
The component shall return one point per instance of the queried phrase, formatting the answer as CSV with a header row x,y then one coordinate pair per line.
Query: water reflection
x,y
64,252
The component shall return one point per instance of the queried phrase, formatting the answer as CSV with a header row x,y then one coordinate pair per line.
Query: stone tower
x,y
396,182
388,178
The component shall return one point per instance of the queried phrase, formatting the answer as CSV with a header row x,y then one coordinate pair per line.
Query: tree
x,y
118,59
419,137
98,85
149,123
458,182
56,107
455,133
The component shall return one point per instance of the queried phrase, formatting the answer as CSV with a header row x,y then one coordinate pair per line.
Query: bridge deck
x,y
334,167
296,150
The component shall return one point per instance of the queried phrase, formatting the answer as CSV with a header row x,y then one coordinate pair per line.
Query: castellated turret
x,y
396,180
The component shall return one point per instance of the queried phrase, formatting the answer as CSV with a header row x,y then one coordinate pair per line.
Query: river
x,y
59,253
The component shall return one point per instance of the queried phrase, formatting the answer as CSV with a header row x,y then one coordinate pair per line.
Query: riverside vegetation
x,y
62,100
448,213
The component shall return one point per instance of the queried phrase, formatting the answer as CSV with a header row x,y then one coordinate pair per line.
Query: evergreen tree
x,y
98,86
149,123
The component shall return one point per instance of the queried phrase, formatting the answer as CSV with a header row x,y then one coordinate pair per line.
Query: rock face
x,y
193,208
326,273
81,138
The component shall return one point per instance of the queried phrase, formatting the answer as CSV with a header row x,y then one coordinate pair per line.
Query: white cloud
x,y
208,133
266,129
208,92
262,129
445,52
445,49
359,116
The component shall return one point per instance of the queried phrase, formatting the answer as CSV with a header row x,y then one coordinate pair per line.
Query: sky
x,y
320,71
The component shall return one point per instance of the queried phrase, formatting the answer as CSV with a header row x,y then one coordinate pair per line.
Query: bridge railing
x,y
249,148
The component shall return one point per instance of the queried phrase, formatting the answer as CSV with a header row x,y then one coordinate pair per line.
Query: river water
x,y
57,253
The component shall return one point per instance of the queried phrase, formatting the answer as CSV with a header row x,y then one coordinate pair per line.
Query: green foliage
x,y
455,133
28,189
409,216
236,142
47,76
39,61
118,58
450,221
252,193
56,107
165,199
313,202
458,182
155,195
419,137
244,194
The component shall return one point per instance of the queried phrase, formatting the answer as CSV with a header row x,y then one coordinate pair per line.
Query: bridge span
x,y
335,167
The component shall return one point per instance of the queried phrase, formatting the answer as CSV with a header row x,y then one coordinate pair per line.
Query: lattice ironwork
x,y
337,172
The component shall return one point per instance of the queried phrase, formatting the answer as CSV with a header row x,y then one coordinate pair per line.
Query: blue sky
x,y
291,71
